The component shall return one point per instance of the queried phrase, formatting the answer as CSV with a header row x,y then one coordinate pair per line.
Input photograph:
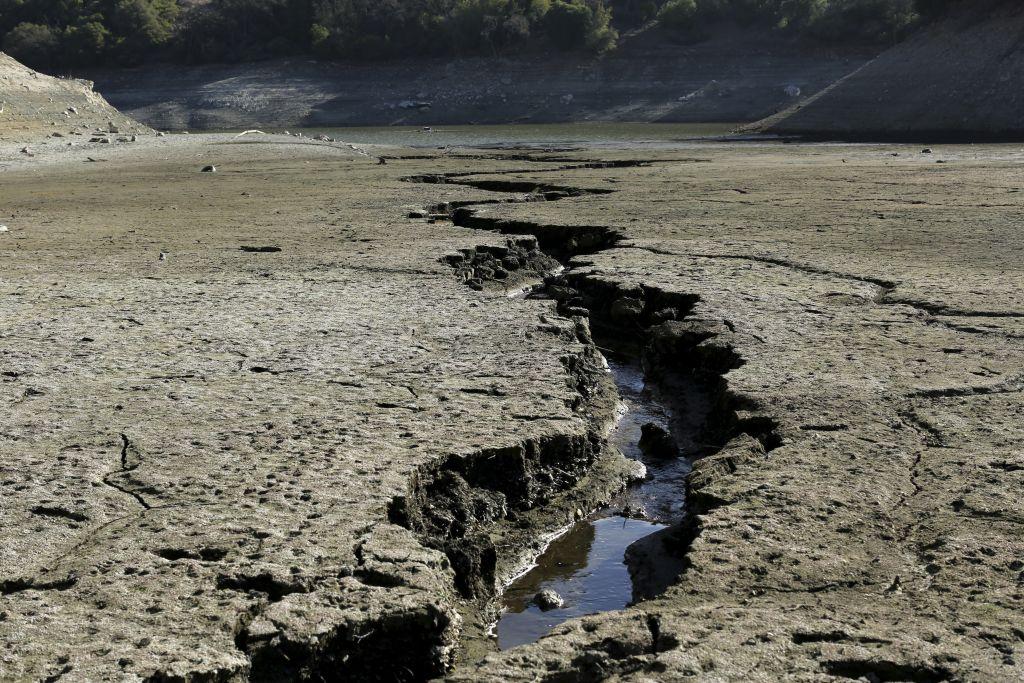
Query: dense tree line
x,y
54,34
60,34
879,21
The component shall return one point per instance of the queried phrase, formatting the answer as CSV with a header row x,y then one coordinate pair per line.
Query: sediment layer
x,y
251,465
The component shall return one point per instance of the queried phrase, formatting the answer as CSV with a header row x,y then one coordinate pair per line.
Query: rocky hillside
x,y
960,79
735,77
33,105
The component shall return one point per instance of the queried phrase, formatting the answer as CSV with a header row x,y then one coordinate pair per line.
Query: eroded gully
x,y
668,371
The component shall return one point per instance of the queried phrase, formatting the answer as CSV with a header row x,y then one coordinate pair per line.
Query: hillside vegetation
x,y
74,34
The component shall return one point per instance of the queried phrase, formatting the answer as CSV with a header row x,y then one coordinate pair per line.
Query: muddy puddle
x,y
591,566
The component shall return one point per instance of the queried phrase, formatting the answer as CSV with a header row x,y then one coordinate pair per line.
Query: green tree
x,y
574,24
84,44
679,15
140,26
34,44
934,8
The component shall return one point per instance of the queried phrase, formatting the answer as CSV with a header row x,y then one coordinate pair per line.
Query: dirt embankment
x,y
958,80
735,77
33,105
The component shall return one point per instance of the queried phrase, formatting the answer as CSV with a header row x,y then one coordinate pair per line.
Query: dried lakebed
x,y
607,560
801,407
323,461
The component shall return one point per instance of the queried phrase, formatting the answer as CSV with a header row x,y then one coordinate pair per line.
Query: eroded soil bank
x,y
227,464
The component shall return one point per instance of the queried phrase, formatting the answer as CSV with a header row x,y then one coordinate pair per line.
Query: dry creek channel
x,y
616,556
633,548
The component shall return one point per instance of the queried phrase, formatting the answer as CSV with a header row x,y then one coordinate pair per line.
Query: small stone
x,y
548,599
419,213
633,512
656,441
209,169
4,228
926,150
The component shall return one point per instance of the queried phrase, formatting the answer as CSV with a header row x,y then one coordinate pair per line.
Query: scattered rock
x,y
633,512
657,442
418,213
548,599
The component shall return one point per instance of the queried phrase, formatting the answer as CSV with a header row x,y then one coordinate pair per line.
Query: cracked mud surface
x,y
874,302
201,455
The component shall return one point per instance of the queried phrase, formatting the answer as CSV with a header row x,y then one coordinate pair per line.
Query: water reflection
x,y
526,135
585,566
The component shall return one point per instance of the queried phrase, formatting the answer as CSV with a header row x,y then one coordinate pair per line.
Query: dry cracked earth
x,y
261,424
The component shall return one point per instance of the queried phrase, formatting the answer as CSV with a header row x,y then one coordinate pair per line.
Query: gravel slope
x,y
34,105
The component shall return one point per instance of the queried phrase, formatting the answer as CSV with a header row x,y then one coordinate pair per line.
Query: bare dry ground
x,y
228,464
